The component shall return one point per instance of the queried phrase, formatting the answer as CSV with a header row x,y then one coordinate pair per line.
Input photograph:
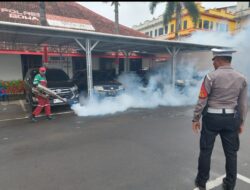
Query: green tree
x,y
116,4
175,8
117,31
116,10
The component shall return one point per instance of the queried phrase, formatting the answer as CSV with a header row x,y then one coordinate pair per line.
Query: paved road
x,y
140,149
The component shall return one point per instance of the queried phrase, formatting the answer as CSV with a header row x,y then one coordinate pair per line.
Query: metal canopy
x,y
33,34
94,41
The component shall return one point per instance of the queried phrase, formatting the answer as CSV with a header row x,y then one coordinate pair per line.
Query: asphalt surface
x,y
140,149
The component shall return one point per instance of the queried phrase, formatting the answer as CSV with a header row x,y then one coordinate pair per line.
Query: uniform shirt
x,y
223,88
39,79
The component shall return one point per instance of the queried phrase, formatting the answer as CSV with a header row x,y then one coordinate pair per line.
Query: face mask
x,y
43,73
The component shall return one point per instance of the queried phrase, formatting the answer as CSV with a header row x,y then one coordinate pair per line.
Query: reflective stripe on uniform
x,y
208,77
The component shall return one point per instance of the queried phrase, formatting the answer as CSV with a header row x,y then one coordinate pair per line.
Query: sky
x,y
134,13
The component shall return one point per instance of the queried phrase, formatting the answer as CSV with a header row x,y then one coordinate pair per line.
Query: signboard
x,y
52,20
161,59
25,15
66,22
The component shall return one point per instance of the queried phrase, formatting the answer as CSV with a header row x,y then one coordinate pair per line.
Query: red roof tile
x,y
28,13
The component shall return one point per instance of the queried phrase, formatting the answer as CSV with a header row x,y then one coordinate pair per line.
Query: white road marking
x,y
25,117
22,105
14,118
66,112
243,178
213,183
218,181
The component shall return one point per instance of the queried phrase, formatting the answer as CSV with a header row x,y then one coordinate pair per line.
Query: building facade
x,y
242,15
17,58
213,20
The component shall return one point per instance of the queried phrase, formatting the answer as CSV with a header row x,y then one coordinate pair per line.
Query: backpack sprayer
x,y
46,92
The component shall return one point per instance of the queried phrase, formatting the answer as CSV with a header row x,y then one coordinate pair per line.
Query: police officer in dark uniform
x,y
223,105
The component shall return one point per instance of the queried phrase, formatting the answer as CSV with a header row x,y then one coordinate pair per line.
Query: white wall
x,y
10,67
146,63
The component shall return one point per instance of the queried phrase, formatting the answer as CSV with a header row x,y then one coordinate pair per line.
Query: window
x,y
200,23
184,24
156,32
172,27
166,29
211,25
160,31
217,26
206,24
147,33
221,27
57,58
151,33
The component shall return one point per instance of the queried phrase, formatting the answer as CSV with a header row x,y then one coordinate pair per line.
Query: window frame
x,y
184,25
160,29
200,24
172,28
207,24
156,32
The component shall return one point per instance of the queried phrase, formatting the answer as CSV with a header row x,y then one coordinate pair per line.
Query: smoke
x,y
239,41
158,91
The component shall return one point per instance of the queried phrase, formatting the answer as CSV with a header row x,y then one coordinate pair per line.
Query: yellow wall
x,y
216,16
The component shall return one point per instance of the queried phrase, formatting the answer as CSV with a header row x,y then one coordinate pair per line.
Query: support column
x,y
173,53
126,61
88,50
89,68
117,63
45,55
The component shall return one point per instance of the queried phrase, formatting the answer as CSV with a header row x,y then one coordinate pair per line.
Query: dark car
x,y
58,81
144,75
104,82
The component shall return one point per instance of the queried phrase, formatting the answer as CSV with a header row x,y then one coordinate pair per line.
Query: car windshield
x,y
97,75
102,77
56,75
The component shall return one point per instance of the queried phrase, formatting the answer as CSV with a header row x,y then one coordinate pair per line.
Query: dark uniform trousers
x,y
227,126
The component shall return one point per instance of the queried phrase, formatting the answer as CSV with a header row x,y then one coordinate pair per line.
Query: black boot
x,y
49,117
33,118
200,186
226,186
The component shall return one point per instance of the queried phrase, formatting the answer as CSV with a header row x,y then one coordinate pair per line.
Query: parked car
x,y
144,75
104,82
58,81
